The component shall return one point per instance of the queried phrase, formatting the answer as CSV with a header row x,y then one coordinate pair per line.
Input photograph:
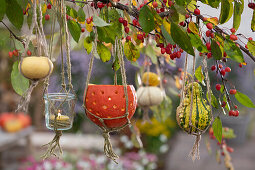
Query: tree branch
x,y
14,35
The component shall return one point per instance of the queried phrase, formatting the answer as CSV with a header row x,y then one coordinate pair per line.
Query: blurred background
x,y
165,146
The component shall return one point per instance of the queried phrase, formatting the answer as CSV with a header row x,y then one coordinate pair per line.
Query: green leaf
x,y
19,83
106,34
88,44
214,3
216,51
163,111
251,47
22,3
146,19
149,51
81,15
74,29
217,129
244,100
238,10
130,51
73,13
99,22
116,64
103,52
181,38
2,9
81,4
253,21
14,13
226,11
214,101
233,51
166,35
197,43
199,74
182,2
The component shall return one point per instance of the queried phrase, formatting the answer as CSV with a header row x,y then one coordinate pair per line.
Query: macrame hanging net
x,y
121,120
189,94
59,107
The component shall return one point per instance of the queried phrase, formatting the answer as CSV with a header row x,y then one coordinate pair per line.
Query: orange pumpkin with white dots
x,y
108,102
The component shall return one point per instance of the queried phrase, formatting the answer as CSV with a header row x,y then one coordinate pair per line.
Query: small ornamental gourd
x,y
201,113
150,79
149,96
35,68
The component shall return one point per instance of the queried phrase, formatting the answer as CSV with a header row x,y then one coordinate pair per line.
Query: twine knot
x,y
108,150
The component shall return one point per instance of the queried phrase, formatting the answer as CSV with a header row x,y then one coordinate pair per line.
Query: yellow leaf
x,y
134,2
213,20
192,5
89,27
193,28
167,26
44,8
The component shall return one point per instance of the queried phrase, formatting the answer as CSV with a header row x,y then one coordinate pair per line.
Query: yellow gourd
x,y
150,79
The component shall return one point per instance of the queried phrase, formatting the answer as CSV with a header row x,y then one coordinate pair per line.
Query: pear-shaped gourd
x,y
35,68
201,112
150,79
149,95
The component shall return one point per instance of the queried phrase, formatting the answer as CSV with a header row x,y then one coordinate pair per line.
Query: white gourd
x,y
149,95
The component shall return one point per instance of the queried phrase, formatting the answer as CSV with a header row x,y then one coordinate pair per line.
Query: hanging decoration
x,y
194,113
59,107
35,68
110,106
149,94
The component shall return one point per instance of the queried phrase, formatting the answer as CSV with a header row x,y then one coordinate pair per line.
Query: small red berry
x,y
228,69
229,149
232,91
154,4
121,19
231,113
178,54
223,72
235,106
250,39
170,3
16,53
49,6
188,30
213,67
218,87
163,50
29,53
47,17
10,54
220,66
233,30
197,11
187,16
236,113
181,23
208,33
125,23
162,9
209,26
100,5
212,35
233,37
139,36
134,22
208,46
240,65
126,29
225,54
128,38
209,55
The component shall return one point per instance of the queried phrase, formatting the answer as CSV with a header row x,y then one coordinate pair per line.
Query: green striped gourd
x,y
201,113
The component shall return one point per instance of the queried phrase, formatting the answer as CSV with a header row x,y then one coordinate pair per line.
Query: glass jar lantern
x,y
59,110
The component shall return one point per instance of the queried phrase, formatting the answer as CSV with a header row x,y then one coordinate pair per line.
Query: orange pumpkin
x,y
108,101
24,118
4,117
13,125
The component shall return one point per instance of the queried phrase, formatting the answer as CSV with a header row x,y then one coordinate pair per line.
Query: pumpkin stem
x,y
108,150
194,154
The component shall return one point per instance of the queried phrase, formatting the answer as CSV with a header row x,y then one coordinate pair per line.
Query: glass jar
x,y
59,110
